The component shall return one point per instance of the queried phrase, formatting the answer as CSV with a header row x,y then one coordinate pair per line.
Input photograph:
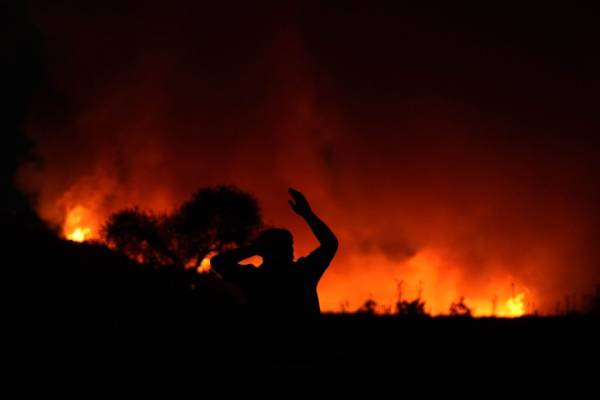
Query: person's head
x,y
275,244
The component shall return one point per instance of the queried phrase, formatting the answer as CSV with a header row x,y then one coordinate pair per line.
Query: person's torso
x,y
287,293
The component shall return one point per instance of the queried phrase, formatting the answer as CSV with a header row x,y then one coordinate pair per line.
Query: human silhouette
x,y
281,291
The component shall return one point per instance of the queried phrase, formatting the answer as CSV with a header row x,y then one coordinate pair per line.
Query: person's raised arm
x,y
328,241
226,263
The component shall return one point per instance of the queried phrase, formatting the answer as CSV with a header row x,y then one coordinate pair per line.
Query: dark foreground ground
x,y
80,321
172,352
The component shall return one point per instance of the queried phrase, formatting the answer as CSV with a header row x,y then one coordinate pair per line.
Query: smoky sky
x,y
468,132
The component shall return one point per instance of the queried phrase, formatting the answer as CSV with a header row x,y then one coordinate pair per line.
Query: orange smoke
x,y
446,179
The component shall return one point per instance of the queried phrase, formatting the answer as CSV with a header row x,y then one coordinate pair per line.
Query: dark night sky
x,y
452,146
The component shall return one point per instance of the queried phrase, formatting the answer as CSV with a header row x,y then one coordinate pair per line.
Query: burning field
x,y
452,162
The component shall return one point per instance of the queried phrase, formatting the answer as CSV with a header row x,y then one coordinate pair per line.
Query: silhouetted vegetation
x,y
368,307
410,308
592,302
85,321
460,309
213,219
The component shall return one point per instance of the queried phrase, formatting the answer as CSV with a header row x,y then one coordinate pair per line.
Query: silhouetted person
x,y
282,291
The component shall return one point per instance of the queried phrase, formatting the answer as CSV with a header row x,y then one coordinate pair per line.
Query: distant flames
x,y
446,197
79,234
512,308
82,224
515,306
430,276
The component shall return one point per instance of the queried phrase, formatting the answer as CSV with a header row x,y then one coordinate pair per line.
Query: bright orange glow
x,y
441,194
79,234
515,306
426,274
78,224
431,277
204,265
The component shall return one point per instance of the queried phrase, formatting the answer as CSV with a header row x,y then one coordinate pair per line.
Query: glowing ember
x,y
515,306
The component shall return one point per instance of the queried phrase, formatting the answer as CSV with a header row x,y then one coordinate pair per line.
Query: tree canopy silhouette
x,y
213,219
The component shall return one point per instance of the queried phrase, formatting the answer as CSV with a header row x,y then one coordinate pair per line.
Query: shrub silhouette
x,y
460,309
406,308
213,219
368,307
414,308
141,235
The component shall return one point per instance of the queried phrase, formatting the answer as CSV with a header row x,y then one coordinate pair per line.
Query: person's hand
x,y
299,203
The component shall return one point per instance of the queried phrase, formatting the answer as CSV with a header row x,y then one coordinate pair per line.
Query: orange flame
x,y
515,306
79,224
434,279
426,274
79,234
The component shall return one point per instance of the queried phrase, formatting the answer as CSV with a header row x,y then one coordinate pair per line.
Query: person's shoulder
x,y
248,267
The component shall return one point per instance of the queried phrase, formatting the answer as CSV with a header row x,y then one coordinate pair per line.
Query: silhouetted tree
x,y
141,235
214,218
460,309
